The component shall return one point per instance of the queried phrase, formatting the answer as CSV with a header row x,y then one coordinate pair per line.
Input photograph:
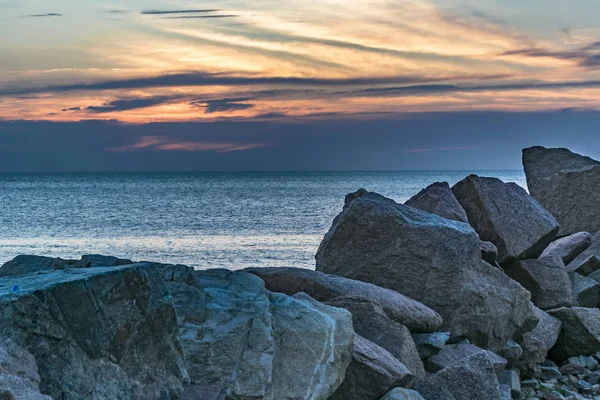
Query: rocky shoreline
x,y
477,291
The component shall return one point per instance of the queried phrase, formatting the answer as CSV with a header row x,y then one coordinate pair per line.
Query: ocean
x,y
205,220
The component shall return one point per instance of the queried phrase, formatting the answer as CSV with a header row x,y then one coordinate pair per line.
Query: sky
x,y
315,84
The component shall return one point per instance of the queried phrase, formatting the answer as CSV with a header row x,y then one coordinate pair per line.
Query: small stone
x,y
592,377
583,385
528,392
530,383
511,379
572,369
591,363
548,373
429,344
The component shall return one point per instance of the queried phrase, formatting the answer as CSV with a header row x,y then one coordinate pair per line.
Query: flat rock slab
x,y
580,333
438,199
546,279
506,215
569,247
372,373
92,331
472,378
453,353
430,259
322,287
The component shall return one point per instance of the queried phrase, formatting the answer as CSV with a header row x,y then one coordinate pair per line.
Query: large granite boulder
x,y
19,378
439,199
431,259
585,291
587,261
569,247
105,333
539,341
580,333
259,345
545,278
372,373
456,352
27,265
370,322
402,394
472,378
322,287
504,214
565,183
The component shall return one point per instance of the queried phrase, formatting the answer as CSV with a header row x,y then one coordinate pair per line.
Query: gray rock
x,y
431,259
512,352
97,260
569,247
580,333
545,278
587,267
506,215
410,313
19,378
453,353
505,392
549,373
27,265
565,184
430,344
511,379
489,252
585,291
104,333
402,394
254,344
372,373
472,378
370,322
587,256
438,199
539,341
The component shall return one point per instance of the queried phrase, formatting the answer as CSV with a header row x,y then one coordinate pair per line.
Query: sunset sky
x,y
296,64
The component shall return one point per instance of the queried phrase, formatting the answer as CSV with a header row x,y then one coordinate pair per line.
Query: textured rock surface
x,y
456,352
539,341
512,352
372,373
412,314
370,322
429,344
506,215
103,332
430,259
254,344
25,265
585,291
566,184
98,260
438,199
569,247
402,394
580,333
472,378
19,378
545,278
489,253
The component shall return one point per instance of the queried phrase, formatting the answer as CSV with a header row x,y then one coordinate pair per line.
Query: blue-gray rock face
x,y
539,341
506,215
104,332
19,378
580,333
438,199
566,184
402,394
569,247
430,259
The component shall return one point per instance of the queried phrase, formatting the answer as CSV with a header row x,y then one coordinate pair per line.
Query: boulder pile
x,y
476,291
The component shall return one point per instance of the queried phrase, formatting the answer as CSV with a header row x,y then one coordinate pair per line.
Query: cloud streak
x,y
163,12
42,15
164,143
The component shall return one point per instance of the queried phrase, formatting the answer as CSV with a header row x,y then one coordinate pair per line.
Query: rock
x,y
430,344
97,260
370,322
372,373
254,344
585,291
549,373
569,247
539,341
431,259
565,184
580,333
27,265
410,313
505,392
456,352
188,296
587,267
545,278
402,394
19,378
504,214
572,369
512,353
511,379
472,378
489,252
438,199
104,333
